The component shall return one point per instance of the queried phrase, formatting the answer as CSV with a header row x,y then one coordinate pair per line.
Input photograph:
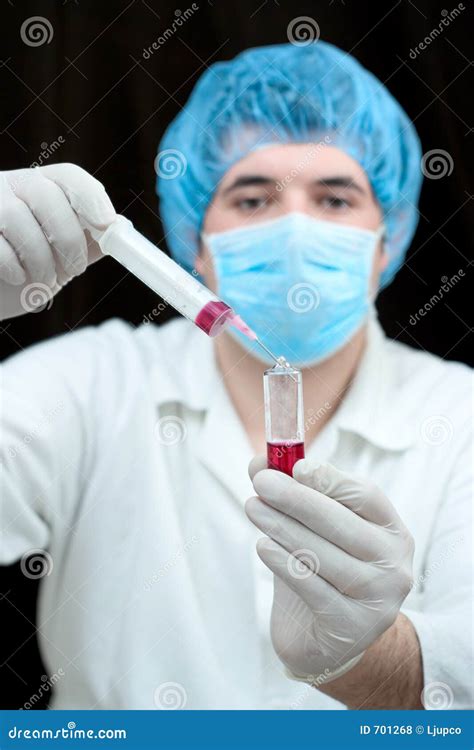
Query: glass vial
x,y
284,428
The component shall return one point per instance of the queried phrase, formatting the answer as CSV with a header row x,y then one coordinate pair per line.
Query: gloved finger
x,y
257,464
331,520
58,221
24,235
315,592
11,269
361,496
347,574
86,195
94,252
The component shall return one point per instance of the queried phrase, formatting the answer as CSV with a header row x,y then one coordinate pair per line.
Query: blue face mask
x,y
303,285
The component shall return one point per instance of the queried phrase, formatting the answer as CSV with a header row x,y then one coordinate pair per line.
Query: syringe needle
x,y
265,348
242,326
279,360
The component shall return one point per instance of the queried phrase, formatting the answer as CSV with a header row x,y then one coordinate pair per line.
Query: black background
x,y
92,86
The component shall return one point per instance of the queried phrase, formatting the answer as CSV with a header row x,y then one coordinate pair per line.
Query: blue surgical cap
x,y
287,94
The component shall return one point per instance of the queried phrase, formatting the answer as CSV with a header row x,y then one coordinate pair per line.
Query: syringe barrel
x,y
284,417
165,277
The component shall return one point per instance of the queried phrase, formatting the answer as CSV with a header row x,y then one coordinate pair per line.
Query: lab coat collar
x,y
191,377
370,408
186,371
224,447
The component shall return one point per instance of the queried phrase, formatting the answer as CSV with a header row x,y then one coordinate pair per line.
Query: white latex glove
x,y
42,243
342,564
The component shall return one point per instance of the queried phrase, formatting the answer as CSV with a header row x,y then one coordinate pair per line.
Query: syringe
x,y
168,279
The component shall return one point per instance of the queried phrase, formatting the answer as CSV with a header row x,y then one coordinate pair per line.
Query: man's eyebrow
x,y
329,182
250,179
345,182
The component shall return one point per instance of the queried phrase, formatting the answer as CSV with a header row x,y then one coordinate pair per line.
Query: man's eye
x,y
250,204
335,202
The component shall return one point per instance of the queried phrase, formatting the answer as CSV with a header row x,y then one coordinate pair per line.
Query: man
x,y
295,172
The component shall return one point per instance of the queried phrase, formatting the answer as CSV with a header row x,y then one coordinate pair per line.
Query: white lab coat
x,y
124,458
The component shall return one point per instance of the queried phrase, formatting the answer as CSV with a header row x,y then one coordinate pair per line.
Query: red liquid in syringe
x,y
283,456
215,315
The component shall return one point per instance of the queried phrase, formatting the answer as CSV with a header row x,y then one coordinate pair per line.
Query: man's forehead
x,y
305,161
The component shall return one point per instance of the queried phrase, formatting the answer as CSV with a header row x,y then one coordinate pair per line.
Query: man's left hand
x,y
342,564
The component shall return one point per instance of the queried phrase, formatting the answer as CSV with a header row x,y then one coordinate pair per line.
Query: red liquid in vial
x,y
283,456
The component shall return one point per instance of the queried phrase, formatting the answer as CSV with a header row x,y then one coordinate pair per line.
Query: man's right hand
x,y
42,241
